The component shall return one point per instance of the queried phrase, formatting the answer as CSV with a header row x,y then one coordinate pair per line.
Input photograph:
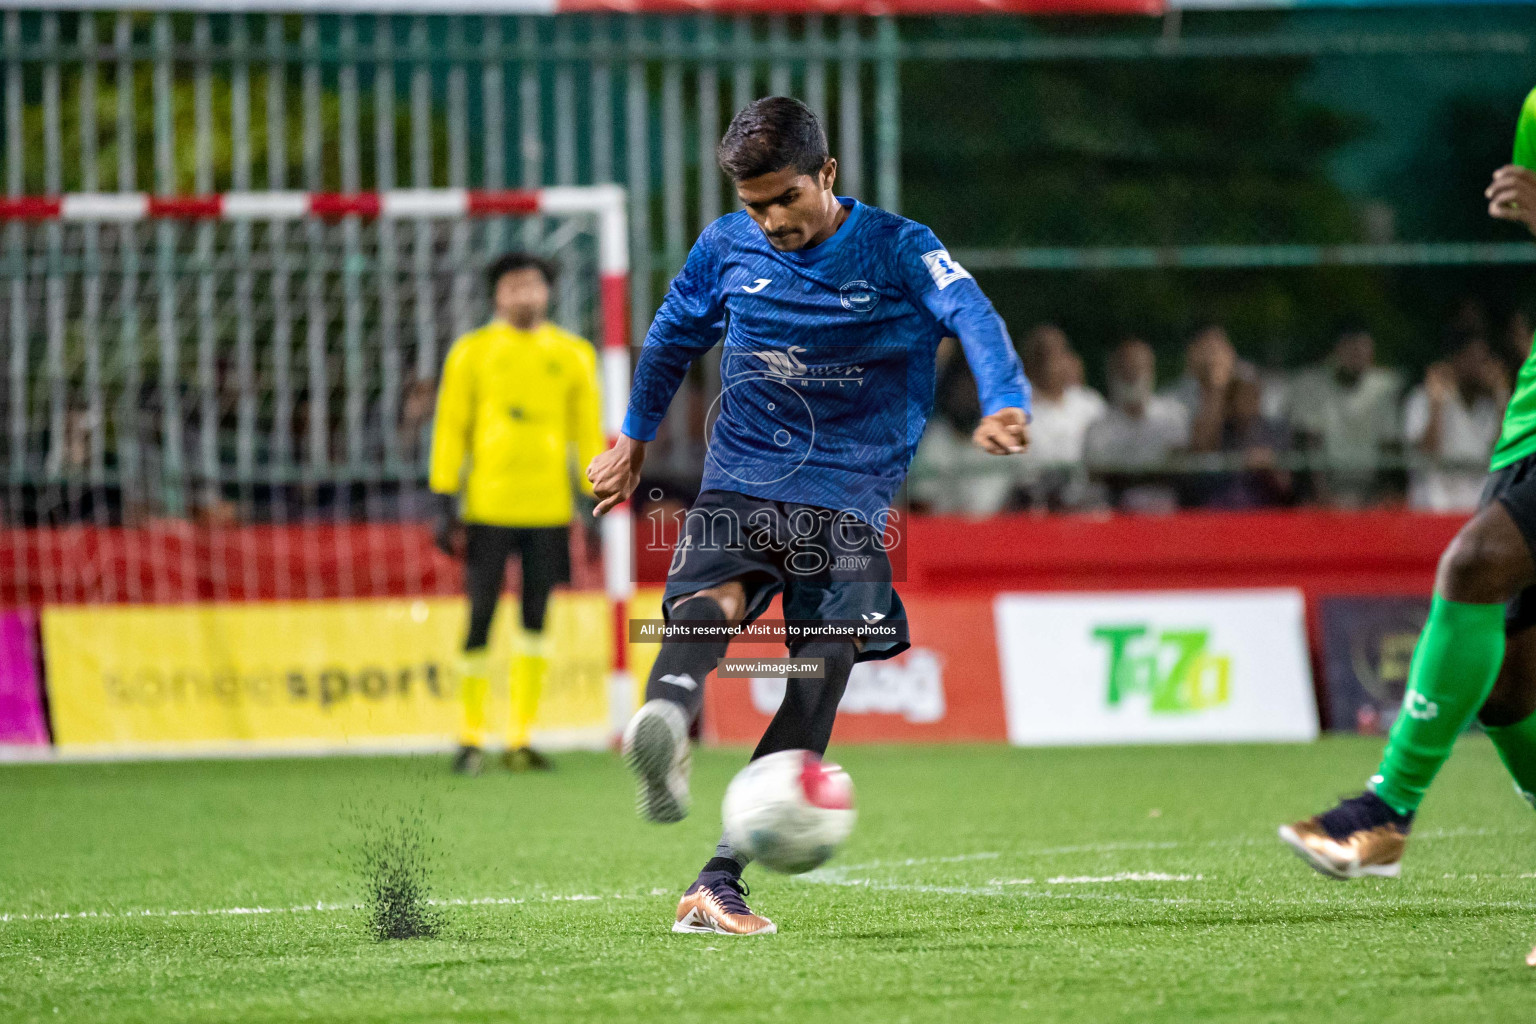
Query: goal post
x,y
193,382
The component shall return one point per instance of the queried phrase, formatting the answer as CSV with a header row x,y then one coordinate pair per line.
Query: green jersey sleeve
x,y
1525,133
1518,437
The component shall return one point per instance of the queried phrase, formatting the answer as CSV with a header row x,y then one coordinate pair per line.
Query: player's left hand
x,y
1512,195
1005,432
448,532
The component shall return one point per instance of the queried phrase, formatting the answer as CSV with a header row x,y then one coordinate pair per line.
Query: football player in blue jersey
x,y
830,312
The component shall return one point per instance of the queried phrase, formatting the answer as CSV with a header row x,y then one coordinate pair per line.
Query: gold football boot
x,y
1360,837
716,903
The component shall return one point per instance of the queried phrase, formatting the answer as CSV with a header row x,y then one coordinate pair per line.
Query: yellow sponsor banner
x,y
645,603
306,675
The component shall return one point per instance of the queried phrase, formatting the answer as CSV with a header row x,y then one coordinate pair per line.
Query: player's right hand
x,y
615,473
1512,195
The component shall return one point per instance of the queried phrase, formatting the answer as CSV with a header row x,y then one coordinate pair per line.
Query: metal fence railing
x,y
189,103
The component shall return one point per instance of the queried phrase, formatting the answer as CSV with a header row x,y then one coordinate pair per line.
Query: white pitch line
x,y
912,862
1012,888
1119,847
825,878
215,912
837,876
1487,875
1121,876
317,907
992,890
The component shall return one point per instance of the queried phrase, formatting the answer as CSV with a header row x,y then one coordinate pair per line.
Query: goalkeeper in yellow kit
x,y
517,410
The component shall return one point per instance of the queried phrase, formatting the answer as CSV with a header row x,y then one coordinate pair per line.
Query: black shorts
x,y
1514,487
829,566
544,555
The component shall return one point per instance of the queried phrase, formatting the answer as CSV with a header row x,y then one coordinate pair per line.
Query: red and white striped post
x,y
606,203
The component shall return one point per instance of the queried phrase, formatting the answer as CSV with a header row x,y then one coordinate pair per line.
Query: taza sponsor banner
x,y
310,675
1155,667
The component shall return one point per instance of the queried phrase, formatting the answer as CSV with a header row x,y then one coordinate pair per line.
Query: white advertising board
x,y
1155,667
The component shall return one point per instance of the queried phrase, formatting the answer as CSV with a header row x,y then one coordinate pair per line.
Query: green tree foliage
x,y
1168,152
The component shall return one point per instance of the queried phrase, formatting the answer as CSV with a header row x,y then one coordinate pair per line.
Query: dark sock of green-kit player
x,y
1516,745
1509,715
1454,667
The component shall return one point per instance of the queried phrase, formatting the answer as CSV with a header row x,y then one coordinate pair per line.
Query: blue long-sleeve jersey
x,y
827,374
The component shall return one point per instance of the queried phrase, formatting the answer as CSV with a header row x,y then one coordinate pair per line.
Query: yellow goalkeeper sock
x,y
528,670
474,688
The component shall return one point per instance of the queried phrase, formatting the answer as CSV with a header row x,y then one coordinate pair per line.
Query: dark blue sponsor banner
x,y
1367,645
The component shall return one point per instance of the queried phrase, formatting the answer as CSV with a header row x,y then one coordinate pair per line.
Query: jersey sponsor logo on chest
x,y
786,365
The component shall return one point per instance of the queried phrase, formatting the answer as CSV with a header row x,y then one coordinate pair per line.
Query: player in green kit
x,y
1477,653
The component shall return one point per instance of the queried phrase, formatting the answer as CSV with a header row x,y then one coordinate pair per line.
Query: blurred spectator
x,y
71,455
1210,365
1129,447
403,494
1515,348
1453,420
949,474
1050,471
1253,444
414,433
1345,411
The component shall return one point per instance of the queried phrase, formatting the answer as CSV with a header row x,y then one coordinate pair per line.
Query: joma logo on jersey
x,y
944,270
1174,668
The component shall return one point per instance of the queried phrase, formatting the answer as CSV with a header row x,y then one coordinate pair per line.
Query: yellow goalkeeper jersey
x,y
512,406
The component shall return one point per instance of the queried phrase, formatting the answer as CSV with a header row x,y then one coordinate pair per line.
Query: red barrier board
x,y
765,7
1321,552
870,7
946,687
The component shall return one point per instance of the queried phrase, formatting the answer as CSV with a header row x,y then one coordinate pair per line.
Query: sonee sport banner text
x,y
312,675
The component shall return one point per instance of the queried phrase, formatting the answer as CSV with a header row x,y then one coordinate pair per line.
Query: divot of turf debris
x,y
396,857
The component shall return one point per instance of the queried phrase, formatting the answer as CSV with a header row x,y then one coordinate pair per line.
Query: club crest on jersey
x,y
859,296
944,270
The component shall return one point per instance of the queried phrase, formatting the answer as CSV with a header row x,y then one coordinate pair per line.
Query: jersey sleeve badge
x,y
944,270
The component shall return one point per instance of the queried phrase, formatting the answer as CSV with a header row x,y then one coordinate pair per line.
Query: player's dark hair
x,y
508,262
769,135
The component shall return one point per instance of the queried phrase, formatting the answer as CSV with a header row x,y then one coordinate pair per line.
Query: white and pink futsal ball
x,y
789,811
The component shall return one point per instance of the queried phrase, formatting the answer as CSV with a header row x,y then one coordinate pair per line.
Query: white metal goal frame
x,y
605,204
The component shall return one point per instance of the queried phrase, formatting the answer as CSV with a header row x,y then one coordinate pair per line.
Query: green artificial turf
x,y
982,883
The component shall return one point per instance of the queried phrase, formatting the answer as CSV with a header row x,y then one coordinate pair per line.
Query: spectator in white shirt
x,y
1451,421
1345,413
1061,410
950,475
1131,445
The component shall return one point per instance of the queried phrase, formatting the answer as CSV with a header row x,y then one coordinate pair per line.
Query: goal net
x,y
216,428
238,390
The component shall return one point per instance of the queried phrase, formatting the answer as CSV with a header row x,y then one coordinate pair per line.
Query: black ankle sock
x,y
682,661
723,864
